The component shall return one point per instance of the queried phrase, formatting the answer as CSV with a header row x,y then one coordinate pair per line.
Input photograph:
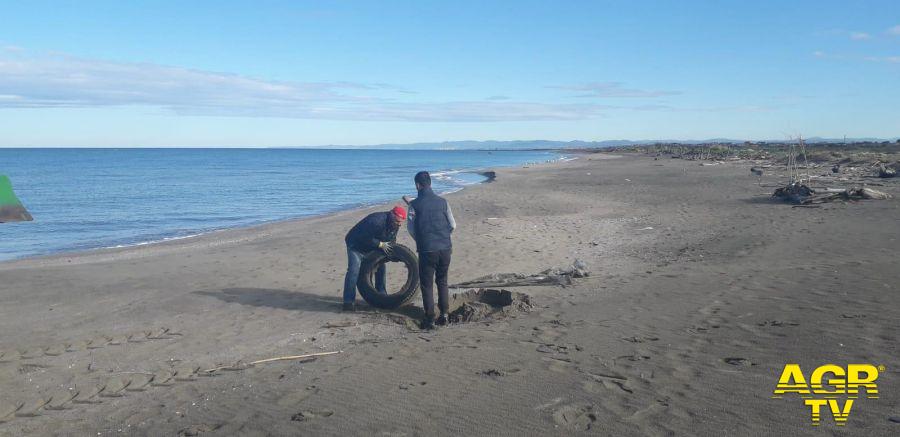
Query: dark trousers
x,y
433,267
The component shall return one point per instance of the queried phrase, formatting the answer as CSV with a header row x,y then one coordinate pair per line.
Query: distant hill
x,y
496,145
578,144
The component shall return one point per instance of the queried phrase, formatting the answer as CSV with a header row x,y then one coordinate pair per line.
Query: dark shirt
x,y
375,228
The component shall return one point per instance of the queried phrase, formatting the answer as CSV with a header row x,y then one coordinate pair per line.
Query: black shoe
x,y
349,307
427,323
442,320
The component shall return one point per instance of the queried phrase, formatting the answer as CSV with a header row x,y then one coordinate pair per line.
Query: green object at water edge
x,y
11,210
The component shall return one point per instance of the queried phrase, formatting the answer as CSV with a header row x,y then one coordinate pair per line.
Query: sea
x,y
85,199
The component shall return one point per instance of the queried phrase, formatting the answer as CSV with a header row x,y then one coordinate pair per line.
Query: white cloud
x,y
61,81
860,36
613,89
894,30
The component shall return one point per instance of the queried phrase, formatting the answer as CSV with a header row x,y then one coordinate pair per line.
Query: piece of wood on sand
x,y
270,360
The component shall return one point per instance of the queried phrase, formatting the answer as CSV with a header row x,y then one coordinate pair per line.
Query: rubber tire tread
x,y
366,281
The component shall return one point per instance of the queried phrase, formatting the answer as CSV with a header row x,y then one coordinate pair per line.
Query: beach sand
x,y
701,290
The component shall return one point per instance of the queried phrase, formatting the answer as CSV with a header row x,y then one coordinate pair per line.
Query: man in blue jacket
x,y
378,231
430,224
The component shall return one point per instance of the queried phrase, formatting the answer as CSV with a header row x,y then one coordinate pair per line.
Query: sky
x,y
297,73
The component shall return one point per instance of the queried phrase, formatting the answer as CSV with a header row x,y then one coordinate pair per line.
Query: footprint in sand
x,y
547,335
559,364
409,385
295,397
553,349
777,323
30,367
598,386
498,373
305,416
609,379
593,387
195,430
697,329
736,361
575,417
634,357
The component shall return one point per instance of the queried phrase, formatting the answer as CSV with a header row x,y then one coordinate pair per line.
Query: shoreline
x,y
49,258
231,235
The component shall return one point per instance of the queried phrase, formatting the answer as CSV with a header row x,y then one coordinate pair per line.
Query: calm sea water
x,y
93,198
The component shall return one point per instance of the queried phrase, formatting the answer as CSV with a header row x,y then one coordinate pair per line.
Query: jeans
x,y
354,259
433,267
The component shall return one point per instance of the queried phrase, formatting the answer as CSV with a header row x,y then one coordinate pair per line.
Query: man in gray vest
x,y
430,223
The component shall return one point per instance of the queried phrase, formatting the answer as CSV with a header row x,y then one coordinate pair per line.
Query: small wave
x,y
159,240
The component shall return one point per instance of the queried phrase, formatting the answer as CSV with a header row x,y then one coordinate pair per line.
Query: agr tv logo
x,y
821,392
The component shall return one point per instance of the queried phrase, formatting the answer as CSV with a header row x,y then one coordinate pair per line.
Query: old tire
x,y
366,281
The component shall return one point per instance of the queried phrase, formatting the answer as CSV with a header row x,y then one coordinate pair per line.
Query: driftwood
x,y
555,276
241,366
872,194
803,195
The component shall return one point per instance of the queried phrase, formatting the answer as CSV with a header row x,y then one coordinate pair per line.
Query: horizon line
x,y
405,146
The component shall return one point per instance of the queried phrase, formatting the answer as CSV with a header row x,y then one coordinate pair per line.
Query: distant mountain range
x,y
547,144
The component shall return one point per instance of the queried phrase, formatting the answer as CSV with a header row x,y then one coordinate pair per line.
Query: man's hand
x,y
386,247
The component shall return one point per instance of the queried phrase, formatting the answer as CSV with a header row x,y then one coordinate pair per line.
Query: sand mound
x,y
485,304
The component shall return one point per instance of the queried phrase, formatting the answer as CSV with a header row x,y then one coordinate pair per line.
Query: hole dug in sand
x,y
487,304
471,305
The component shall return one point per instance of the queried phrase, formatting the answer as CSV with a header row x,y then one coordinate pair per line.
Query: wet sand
x,y
701,290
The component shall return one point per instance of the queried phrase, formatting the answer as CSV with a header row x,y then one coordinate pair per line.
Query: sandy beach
x,y
701,289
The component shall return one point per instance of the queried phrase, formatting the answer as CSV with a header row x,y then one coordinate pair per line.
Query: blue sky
x,y
292,73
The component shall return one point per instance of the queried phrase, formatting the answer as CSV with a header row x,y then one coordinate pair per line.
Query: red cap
x,y
399,212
